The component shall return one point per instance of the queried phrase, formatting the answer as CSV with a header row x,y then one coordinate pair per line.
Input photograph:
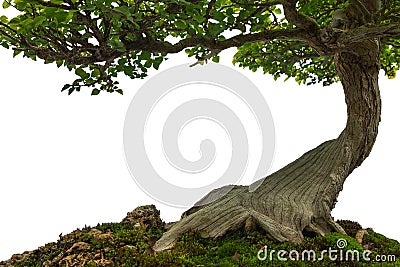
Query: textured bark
x,y
297,200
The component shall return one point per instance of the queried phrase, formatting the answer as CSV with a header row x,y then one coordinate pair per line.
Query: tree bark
x,y
297,200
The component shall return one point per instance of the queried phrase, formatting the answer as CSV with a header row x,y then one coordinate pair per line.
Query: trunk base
x,y
231,213
286,211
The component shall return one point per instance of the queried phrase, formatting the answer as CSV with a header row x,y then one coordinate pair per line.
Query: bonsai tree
x,y
312,41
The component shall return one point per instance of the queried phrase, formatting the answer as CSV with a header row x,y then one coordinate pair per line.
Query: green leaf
x,y
5,45
16,53
119,91
157,62
96,73
65,87
199,19
61,16
148,64
180,24
57,2
38,21
90,81
219,16
215,29
49,12
81,73
6,4
3,19
95,91
145,55
215,59
20,5
124,10
59,63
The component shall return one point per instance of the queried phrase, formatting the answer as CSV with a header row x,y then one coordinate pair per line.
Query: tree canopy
x,y
98,39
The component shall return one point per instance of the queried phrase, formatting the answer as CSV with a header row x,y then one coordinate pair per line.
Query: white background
x,y
62,164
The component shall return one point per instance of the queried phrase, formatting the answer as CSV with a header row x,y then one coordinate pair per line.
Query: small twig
x,y
212,54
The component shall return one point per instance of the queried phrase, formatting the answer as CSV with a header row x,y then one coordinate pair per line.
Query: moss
x,y
351,227
122,244
379,244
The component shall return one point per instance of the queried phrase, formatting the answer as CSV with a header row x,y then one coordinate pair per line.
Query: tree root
x,y
233,212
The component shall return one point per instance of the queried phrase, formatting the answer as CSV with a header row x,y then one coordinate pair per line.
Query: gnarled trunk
x,y
297,200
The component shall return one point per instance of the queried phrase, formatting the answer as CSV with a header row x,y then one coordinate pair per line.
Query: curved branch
x,y
298,19
152,45
368,32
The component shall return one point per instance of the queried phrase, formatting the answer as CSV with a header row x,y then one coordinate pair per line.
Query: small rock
x,y
144,216
68,260
360,235
250,224
79,246
17,257
96,233
107,250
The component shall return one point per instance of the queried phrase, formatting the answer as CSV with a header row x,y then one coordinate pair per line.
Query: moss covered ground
x,y
129,243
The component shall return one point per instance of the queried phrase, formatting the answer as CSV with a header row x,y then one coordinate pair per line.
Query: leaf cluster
x,y
100,39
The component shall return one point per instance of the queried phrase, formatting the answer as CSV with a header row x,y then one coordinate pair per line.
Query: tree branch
x,y
151,45
368,32
298,19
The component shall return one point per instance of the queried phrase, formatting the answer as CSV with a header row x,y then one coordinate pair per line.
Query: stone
x,y
145,216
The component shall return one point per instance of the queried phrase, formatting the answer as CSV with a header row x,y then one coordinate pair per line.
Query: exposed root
x,y
233,212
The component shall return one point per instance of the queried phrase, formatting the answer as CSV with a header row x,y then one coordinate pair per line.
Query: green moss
x,y
351,227
121,244
379,244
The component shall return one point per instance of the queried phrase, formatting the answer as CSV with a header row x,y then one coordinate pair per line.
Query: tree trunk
x,y
297,200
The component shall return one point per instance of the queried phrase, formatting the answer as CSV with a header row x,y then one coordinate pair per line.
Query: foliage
x,y
99,39
289,58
